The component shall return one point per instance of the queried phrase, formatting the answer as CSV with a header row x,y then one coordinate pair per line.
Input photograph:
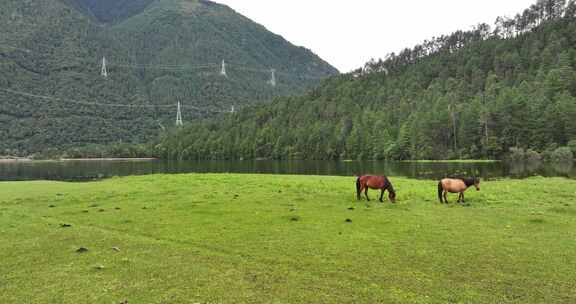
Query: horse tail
x,y
440,190
358,188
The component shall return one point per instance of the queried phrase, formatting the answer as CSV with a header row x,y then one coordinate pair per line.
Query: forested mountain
x,y
470,94
158,52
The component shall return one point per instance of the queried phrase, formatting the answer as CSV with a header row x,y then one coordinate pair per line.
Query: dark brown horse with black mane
x,y
375,182
456,185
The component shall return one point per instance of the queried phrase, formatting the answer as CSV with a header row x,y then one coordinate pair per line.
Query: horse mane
x,y
390,187
469,181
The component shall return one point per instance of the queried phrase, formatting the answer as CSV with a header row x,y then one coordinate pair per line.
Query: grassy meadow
x,y
231,238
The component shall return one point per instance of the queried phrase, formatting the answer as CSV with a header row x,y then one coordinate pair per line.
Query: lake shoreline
x,y
452,161
111,159
18,160
145,159
81,169
15,160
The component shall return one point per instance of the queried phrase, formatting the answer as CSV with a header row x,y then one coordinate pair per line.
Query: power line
x,y
183,67
268,71
202,109
302,76
89,103
165,67
81,102
174,67
15,48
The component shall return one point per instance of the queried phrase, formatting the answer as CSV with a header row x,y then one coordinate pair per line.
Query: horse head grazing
x,y
473,181
391,193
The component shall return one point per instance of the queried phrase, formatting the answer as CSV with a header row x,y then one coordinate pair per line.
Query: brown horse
x,y
375,182
456,185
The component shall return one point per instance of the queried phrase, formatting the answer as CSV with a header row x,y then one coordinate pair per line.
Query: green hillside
x,y
470,94
110,11
157,52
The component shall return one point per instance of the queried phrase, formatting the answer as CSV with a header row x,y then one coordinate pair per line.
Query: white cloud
x,y
349,33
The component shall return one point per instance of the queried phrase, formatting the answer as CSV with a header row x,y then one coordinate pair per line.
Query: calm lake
x,y
93,169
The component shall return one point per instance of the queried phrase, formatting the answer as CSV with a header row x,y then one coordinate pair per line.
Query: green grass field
x,y
224,238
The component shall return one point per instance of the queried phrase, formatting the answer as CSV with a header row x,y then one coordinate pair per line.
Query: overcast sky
x,y
348,33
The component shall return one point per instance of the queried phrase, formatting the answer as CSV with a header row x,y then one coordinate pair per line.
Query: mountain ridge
x,y
170,51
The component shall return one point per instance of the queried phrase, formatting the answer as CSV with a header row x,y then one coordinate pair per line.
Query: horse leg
x,y
366,194
445,199
359,194
459,197
381,195
462,197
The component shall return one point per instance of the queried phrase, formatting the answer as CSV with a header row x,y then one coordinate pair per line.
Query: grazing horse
x,y
375,182
456,185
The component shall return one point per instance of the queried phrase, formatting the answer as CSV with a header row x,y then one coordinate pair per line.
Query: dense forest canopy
x,y
470,94
106,11
157,52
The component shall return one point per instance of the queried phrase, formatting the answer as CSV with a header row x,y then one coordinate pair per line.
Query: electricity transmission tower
x,y
179,122
272,77
223,71
104,71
